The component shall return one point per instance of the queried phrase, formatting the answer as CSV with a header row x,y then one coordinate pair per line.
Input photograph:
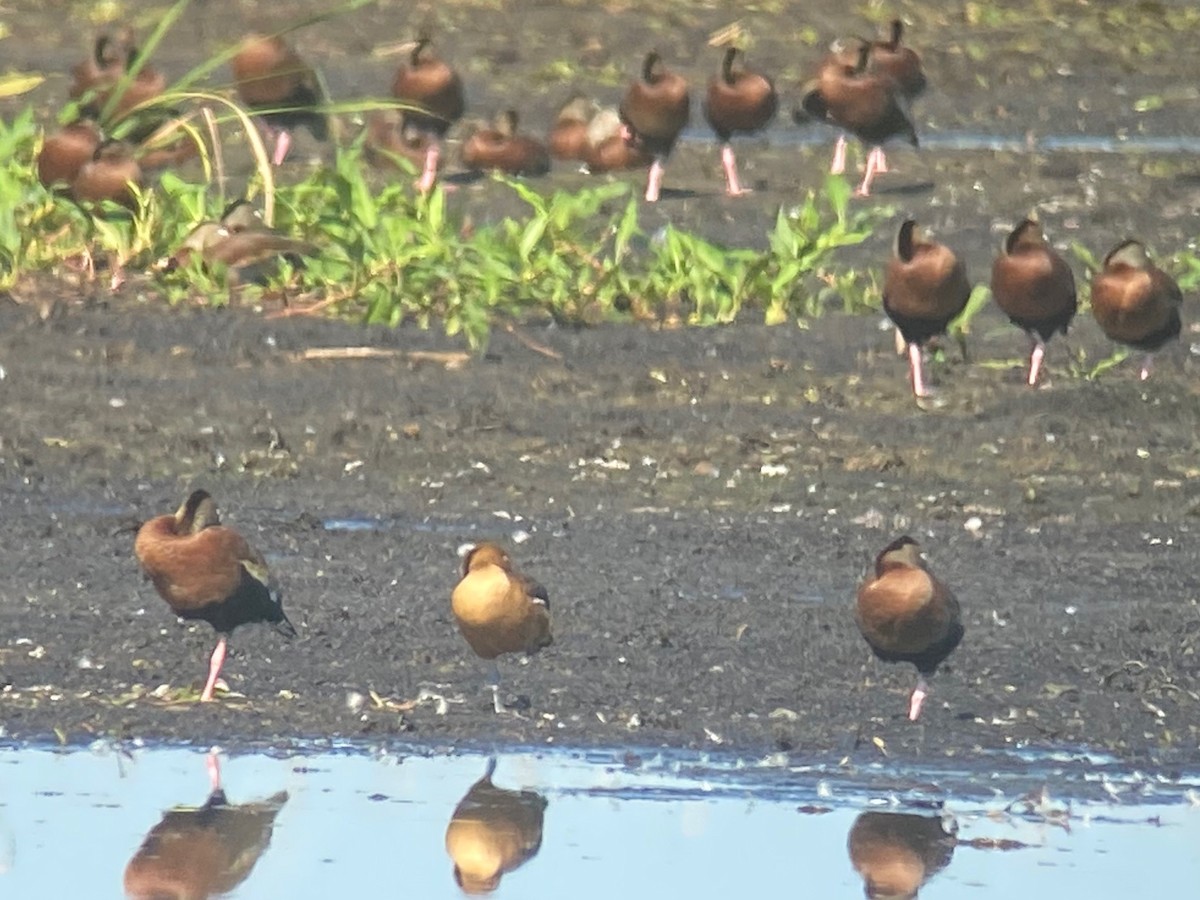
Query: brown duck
x,y
739,101
897,853
656,108
500,148
1135,302
924,288
94,79
499,610
281,88
436,90
907,615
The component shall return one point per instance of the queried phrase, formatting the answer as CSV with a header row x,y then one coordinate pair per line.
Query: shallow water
x,y
371,823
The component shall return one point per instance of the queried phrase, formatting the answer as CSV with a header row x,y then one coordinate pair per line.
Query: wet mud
x,y
700,503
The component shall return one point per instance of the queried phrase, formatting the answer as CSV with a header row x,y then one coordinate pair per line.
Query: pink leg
x,y
654,182
733,186
213,764
920,692
283,143
881,165
1147,366
838,166
214,669
429,175
1035,360
914,364
864,189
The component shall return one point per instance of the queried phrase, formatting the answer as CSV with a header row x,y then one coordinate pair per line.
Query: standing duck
x,y
435,88
492,832
499,610
656,109
207,571
281,88
1034,287
924,288
94,79
1135,302
501,149
907,615
739,101
859,99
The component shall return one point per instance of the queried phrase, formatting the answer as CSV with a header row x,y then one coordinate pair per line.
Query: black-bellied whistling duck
x,y
610,147
281,88
1034,287
568,138
97,76
66,151
435,88
499,610
739,101
907,615
897,853
500,148
111,174
899,61
391,136
867,103
1135,302
924,288
207,571
492,832
200,852
656,108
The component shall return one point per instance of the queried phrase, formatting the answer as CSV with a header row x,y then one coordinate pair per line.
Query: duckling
x,y
1135,302
436,89
907,615
897,853
739,101
281,88
207,571
499,148
656,108
493,832
499,610
1034,287
924,288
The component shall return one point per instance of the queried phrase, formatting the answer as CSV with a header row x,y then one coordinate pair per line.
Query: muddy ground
x,y
700,503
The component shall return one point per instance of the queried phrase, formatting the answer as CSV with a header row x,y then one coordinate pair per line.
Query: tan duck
x,y
499,610
907,615
1135,302
656,107
240,243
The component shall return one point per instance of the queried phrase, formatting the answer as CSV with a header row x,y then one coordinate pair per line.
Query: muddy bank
x,y
701,505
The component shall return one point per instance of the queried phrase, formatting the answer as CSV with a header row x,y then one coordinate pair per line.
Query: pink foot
x,y
864,189
283,143
429,174
1147,366
914,364
654,182
1035,361
838,166
214,669
881,166
920,692
733,187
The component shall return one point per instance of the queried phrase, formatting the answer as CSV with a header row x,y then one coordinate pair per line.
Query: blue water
x,y
361,823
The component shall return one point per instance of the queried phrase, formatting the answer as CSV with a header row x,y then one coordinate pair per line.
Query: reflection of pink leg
x,y
1147,366
283,143
654,182
839,156
881,165
1035,360
733,186
914,364
920,692
214,669
213,764
429,175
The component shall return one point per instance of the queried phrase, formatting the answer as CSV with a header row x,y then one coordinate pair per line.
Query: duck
x,y
739,101
1033,285
900,62
205,851
240,243
1135,302
499,610
568,137
436,90
66,151
390,137
906,615
895,854
282,89
113,173
925,286
655,108
610,147
205,570
856,97
492,832
94,79
500,148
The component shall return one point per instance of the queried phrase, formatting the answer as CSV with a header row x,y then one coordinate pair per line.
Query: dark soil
x,y
700,503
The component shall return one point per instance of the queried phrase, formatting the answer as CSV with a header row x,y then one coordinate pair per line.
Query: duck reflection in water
x,y
206,851
896,853
492,832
